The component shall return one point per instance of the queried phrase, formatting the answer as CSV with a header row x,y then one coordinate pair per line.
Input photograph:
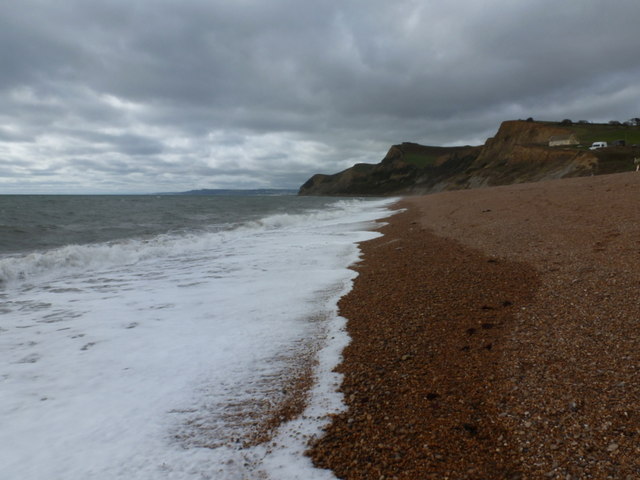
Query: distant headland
x,y
521,151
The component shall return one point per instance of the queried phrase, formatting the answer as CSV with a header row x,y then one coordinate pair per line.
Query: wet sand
x,y
495,335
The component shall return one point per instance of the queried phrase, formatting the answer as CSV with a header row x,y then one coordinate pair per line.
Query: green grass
x,y
606,133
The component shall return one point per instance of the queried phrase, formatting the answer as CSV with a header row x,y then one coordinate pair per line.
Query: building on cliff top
x,y
563,140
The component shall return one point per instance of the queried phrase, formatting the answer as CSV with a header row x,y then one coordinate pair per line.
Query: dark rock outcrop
x,y
407,167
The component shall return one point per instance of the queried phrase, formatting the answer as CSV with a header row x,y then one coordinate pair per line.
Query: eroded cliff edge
x,y
519,152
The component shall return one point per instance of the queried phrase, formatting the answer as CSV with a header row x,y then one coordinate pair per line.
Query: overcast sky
x,y
108,96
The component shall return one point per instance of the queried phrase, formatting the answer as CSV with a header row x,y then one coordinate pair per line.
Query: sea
x,y
146,336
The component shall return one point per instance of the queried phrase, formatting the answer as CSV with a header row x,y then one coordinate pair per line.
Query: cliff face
x,y
391,175
407,168
519,152
518,133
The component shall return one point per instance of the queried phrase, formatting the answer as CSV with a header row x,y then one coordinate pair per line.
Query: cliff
x,y
519,152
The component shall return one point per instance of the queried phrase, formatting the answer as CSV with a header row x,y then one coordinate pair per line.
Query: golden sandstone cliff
x,y
519,152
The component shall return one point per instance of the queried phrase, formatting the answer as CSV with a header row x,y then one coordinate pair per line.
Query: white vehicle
x,y
597,145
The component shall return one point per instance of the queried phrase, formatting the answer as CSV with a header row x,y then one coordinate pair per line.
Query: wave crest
x,y
77,258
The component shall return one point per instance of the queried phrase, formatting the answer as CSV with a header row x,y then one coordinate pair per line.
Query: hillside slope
x,y
519,152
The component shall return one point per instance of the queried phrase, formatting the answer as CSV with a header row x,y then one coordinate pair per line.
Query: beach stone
x,y
563,365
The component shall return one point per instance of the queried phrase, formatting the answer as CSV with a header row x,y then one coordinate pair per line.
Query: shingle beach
x,y
496,335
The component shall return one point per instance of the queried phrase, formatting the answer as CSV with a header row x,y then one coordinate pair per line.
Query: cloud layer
x,y
144,96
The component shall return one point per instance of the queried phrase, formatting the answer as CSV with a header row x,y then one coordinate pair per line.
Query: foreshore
x,y
495,335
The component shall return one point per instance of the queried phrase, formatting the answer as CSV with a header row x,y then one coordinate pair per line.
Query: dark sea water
x,y
35,222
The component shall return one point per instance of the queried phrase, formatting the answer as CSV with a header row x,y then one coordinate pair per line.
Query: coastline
x,y
494,335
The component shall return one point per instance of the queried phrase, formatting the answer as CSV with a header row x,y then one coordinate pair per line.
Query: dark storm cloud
x,y
195,94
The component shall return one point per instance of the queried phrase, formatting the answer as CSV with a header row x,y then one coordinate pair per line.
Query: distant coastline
x,y
233,192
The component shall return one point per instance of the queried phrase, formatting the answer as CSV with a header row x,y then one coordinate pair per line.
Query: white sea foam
x,y
19,268
130,360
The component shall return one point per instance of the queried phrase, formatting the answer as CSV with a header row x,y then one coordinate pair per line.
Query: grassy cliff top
x,y
588,133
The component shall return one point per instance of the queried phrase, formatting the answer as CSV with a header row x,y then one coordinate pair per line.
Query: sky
x,y
142,96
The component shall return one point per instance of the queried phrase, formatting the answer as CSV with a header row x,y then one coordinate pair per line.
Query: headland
x,y
521,151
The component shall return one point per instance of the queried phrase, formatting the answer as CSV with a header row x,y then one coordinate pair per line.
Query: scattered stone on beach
x,y
499,347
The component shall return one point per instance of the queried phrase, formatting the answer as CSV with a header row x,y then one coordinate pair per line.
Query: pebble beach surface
x,y
496,335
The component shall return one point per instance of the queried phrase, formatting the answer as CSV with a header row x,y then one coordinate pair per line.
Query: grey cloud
x,y
271,92
113,166
124,143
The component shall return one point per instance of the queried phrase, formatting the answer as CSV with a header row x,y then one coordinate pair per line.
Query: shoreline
x,y
494,335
